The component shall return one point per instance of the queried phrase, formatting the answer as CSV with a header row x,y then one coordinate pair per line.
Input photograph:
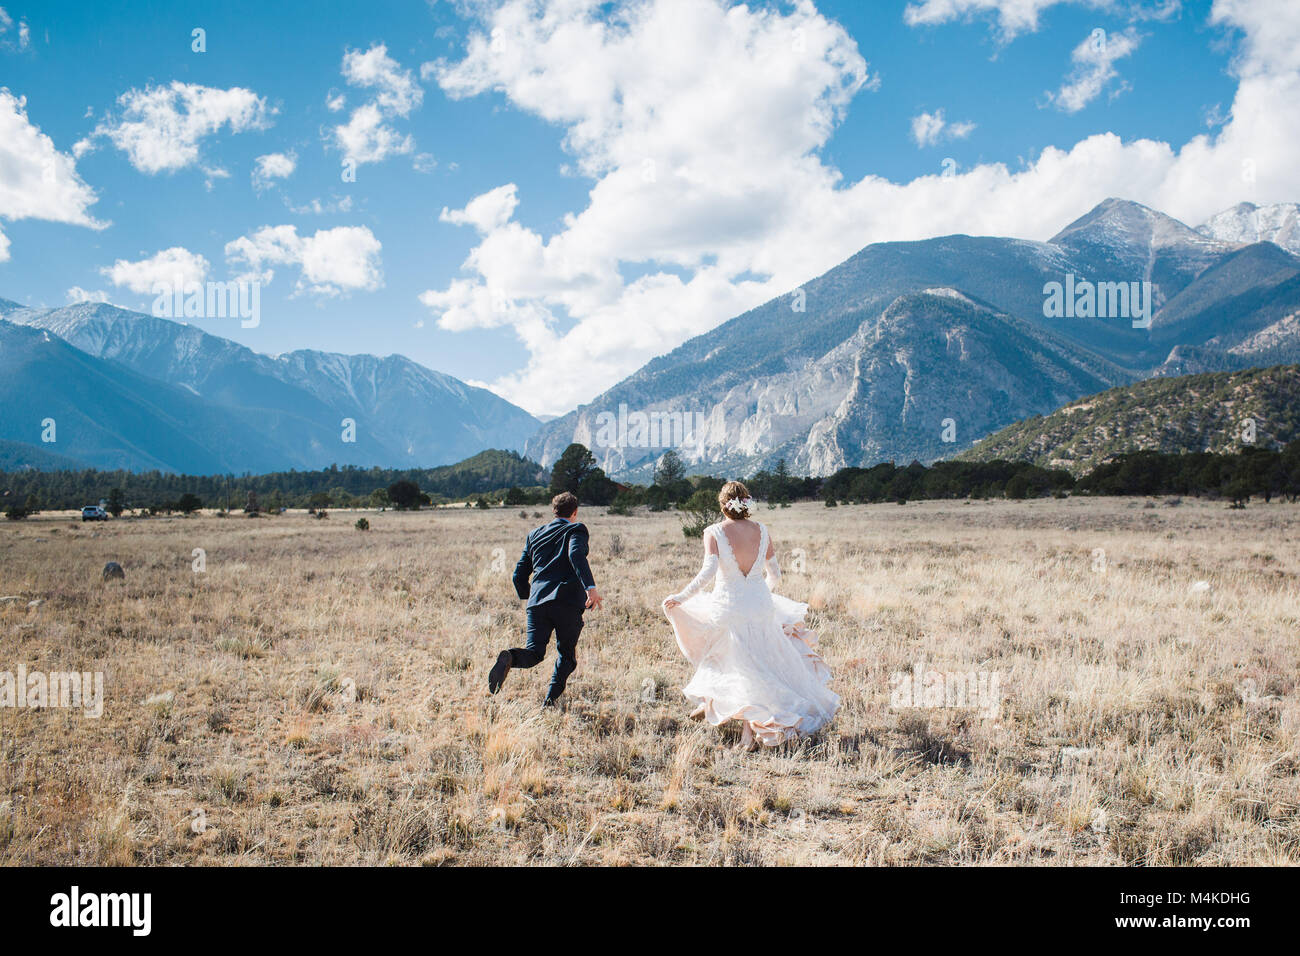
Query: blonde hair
x,y
732,491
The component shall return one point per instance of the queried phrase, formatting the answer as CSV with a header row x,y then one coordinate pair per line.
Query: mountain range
x,y
917,349
128,390
907,350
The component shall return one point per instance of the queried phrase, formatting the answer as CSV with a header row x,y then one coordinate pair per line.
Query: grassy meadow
x,y
315,694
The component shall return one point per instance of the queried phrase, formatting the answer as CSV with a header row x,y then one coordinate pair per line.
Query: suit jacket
x,y
555,555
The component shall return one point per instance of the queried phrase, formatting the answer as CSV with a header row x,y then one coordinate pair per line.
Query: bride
x,y
754,660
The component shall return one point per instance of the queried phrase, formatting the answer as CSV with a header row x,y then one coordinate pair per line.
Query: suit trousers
x,y
565,621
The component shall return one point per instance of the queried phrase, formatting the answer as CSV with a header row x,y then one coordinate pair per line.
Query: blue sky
x,y
645,170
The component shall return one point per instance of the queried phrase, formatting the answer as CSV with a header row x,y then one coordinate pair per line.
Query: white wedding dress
x,y
755,662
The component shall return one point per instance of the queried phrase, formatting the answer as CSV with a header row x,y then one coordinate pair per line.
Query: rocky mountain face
x,y
918,349
404,415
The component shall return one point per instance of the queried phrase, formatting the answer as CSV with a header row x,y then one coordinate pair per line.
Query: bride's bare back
x,y
745,538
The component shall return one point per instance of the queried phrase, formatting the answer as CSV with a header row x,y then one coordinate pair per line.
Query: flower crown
x,y
739,505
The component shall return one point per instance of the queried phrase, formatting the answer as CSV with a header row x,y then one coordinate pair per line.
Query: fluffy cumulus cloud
x,y
700,124
1094,67
492,210
929,128
176,267
36,180
273,166
161,128
330,261
369,135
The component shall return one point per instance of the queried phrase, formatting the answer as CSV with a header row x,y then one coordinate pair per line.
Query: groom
x,y
562,587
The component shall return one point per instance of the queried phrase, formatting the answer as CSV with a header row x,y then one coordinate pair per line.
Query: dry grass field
x,y
317,694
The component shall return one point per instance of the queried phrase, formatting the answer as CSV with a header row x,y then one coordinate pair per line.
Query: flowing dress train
x,y
754,660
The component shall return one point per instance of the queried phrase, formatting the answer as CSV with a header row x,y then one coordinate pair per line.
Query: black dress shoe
x,y
497,676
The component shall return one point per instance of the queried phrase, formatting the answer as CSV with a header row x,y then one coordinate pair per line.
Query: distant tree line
x,y
335,486
1251,473
1237,477
944,479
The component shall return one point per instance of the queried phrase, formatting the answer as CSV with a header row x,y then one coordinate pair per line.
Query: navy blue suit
x,y
555,558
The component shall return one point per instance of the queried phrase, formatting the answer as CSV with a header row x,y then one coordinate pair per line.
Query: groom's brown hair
x,y
564,504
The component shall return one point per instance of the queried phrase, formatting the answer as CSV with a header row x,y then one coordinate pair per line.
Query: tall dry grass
x,y
317,694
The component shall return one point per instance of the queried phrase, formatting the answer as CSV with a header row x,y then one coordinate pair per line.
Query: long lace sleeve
x,y
708,570
772,573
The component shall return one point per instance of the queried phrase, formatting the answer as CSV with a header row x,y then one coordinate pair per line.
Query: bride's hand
x,y
669,604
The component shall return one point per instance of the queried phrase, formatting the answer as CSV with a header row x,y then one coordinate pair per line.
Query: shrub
x,y
700,510
1017,488
405,495
623,504
362,524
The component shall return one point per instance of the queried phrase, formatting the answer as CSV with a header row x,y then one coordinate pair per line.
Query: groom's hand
x,y
593,599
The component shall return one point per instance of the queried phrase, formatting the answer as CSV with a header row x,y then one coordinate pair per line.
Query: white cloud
x,y
36,180
398,93
78,294
19,41
331,261
701,125
699,122
318,208
273,166
368,136
1094,68
335,101
489,211
211,174
929,128
1013,16
162,127
176,266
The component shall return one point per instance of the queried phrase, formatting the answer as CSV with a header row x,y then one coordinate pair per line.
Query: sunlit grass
x,y
318,693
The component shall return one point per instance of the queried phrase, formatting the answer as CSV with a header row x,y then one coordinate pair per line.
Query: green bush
x,y
700,511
